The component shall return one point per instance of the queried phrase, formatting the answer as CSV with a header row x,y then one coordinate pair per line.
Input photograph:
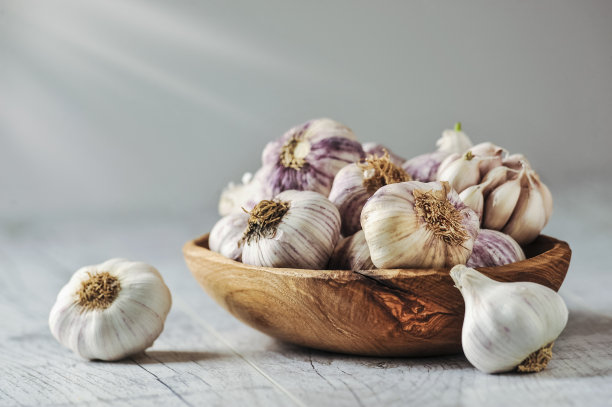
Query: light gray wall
x,y
155,105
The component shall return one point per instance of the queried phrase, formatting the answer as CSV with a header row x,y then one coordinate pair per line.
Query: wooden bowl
x,y
402,312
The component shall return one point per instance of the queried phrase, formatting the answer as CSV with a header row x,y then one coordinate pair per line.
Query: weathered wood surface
x,y
207,357
416,312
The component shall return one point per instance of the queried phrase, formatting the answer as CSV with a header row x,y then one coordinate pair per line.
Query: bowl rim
x,y
553,247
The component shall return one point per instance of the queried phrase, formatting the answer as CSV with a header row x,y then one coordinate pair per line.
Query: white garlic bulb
x,y
251,190
424,167
416,224
111,310
520,206
308,157
352,253
493,248
298,229
355,183
225,236
508,326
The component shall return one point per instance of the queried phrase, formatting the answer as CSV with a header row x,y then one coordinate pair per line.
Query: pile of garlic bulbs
x,y
322,200
428,211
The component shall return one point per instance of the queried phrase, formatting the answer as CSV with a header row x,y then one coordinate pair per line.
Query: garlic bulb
x,y
378,150
225,236
355,183
297,229
425,166
508,326
111,310
245,195
493,248
520,206
308,157
351,253
416,224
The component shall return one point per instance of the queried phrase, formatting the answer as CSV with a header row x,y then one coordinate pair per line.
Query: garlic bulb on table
x,y
425,166
111,310
308,157
494,248
416,224
351,253
298,229
355,183
508,326
225,236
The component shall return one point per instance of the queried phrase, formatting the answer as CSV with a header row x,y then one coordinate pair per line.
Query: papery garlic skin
x,y
128,325
351,253
251,190
504,323
355,183
349,195
493,248
225,236
308,157
399,235
303,236
424,167
378,150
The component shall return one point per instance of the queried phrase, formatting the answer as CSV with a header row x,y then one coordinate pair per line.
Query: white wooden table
x,y
206,357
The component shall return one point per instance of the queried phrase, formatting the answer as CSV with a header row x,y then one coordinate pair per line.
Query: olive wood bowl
x,y
383,312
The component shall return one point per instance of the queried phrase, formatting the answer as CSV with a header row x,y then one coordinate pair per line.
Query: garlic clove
x,y
494,178
506,323
500,204
493,248
472,197
298,229
546,195
529,216
416,224
461,173
225,236
111,310
351,253
516,161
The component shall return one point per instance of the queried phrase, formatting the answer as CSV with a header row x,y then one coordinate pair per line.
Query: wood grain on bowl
x,y
403,312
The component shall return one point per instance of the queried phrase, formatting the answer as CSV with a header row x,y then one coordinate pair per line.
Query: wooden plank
x,y
205,356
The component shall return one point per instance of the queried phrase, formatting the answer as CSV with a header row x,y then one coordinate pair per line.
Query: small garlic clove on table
x,y
111,310
508,326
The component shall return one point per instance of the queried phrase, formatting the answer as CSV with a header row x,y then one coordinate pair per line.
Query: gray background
x,y
137,106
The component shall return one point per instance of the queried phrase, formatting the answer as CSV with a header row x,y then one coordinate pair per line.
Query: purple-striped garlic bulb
x,y
355,183
308,157
351,253
416,224
297,229
225,236
425,166
493,248
378,150
236,197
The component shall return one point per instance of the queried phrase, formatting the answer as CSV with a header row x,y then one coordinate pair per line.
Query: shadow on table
x,y
173,356
582,350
